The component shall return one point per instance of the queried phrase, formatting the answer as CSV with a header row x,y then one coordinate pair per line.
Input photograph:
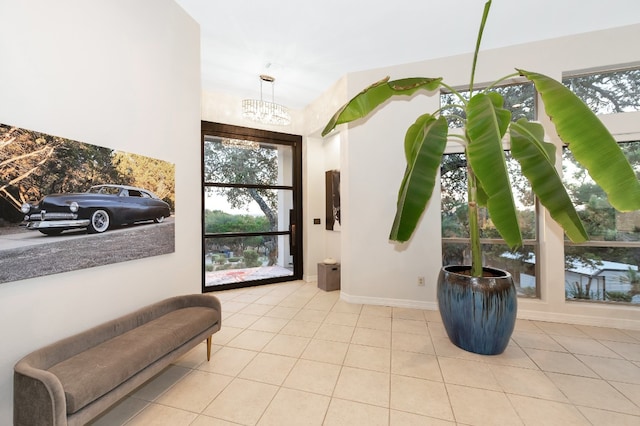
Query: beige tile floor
x,y
290,354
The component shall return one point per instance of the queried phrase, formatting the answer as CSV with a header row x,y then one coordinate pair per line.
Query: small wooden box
x,y
329,276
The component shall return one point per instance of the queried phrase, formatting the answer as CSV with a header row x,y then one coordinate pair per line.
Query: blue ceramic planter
x,y
478,313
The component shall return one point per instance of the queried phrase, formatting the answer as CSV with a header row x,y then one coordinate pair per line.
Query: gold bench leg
x,y
209,339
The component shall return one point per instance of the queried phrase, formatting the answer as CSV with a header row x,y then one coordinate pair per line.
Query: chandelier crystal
x,y
264,111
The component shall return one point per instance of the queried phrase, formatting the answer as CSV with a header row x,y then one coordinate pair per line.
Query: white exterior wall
x,y
115,73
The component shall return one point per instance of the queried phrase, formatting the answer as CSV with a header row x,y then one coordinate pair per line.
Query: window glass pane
x,y
592,271
602,274
518,98
601,221
454,200
521,264
231,260
608,92
246,162
246,209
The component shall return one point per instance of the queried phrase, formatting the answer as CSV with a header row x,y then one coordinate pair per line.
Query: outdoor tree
x,y
245,164
609,92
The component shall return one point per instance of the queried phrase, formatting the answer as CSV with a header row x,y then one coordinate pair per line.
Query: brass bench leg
x,y
209,339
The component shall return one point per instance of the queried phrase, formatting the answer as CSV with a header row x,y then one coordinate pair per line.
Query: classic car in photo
x,y
98,209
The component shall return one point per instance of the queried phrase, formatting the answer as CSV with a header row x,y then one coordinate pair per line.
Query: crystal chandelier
x,y
263,111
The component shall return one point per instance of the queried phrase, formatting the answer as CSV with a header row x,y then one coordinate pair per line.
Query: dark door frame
x,y
295,227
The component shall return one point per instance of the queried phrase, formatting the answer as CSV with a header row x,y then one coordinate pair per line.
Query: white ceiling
x,y
309,44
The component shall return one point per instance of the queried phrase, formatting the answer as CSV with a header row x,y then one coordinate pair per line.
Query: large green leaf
x,y
371,97
487,123
482,196
537,159
425,142
590,142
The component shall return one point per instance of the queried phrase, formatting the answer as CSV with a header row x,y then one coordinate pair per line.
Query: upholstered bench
x,y
75,379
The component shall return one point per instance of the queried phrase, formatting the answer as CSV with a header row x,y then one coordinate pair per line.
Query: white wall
x,y
114,73
375,270
322,154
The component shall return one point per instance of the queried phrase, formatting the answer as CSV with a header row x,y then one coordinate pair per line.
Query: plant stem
x,y
500,80
474,227
454,92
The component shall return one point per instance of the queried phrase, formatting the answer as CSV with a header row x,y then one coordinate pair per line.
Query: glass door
x,y
251,204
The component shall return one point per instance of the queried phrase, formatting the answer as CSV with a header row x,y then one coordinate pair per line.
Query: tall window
x,y
605,268
520,100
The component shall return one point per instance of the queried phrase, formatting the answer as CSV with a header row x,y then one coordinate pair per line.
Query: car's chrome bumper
x,y
49,224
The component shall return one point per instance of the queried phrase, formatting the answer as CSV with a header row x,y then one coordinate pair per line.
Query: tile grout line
x,y
550,331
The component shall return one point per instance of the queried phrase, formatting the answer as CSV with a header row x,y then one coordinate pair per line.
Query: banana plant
x,y
485,127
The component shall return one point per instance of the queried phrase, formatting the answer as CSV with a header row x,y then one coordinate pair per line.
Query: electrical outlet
x,y
421,281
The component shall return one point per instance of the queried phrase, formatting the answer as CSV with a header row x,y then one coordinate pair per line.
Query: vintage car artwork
x,y
98,209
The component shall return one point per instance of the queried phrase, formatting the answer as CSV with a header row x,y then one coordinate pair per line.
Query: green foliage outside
x,y
251,259
619,296
237,252
225,164
218,222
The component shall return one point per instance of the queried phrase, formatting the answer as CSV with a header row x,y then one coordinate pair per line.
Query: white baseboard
x,y
381,301
623,323
309,278
627,324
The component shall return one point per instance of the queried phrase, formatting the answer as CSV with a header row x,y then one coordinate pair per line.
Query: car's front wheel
x,y
99,222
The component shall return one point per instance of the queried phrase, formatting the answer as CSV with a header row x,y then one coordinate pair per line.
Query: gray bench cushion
x,y
94,372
